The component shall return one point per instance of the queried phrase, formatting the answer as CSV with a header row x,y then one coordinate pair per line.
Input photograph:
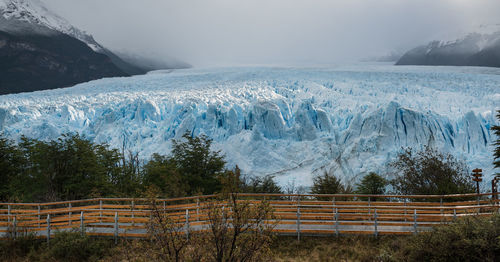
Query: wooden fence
x,y
295,214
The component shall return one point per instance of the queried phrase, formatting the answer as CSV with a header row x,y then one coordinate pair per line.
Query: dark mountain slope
x,y
473,50
33,62
40,50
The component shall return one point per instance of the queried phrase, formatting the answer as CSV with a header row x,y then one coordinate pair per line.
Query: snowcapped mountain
x,y
289,122
40,50
481,48
35,12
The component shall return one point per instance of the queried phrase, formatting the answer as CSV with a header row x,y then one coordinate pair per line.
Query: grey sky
x,y
212,32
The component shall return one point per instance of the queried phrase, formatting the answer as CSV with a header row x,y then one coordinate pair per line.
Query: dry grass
x,y
344,248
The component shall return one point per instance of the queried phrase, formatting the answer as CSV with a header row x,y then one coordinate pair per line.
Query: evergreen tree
x,y
329,184
198,164
371,184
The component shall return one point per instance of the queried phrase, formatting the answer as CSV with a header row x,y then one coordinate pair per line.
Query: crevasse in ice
x,y
287,121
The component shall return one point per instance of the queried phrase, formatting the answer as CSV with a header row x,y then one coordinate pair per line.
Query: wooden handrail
x,y
292,210
256,195
368,195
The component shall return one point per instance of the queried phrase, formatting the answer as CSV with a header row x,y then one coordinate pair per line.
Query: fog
x,y
221,32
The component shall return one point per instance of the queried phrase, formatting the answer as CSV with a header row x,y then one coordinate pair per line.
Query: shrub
x,y
72,246
467,239
430,172
15,249
236,231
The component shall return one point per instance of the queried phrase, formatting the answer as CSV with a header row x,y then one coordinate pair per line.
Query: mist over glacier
x,y
291,122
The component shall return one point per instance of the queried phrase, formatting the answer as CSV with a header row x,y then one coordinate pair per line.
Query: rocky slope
x,y
40,50
475,49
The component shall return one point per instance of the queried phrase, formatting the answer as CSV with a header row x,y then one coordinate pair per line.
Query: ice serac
x,y
289,122
267,119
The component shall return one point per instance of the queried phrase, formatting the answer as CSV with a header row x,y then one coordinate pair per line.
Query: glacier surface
x,y
291,122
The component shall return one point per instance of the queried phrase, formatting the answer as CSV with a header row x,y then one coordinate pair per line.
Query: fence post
x,y
82,225
133,206
478,204
336,221
376,224
151,223
187,223
298,217
39,218
116,228
15,227
406,213
8,213
415,221
333,211
100,211
454,213
70,213
441,202
298,223
48,229
198,209
369,207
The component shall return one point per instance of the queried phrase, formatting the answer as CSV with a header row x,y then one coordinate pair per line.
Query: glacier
x,y
286,121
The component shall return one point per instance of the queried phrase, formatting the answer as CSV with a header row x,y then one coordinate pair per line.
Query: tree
x,y
328,184
430,172
11,166
198,164
235,231
128,180
160,172
167,235
70,167
496,130
233,182
372,184
264,184
240,231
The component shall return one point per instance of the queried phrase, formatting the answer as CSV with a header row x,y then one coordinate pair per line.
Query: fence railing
x,y
304,214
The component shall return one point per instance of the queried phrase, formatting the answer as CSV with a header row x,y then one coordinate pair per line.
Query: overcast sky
x,y
215,32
